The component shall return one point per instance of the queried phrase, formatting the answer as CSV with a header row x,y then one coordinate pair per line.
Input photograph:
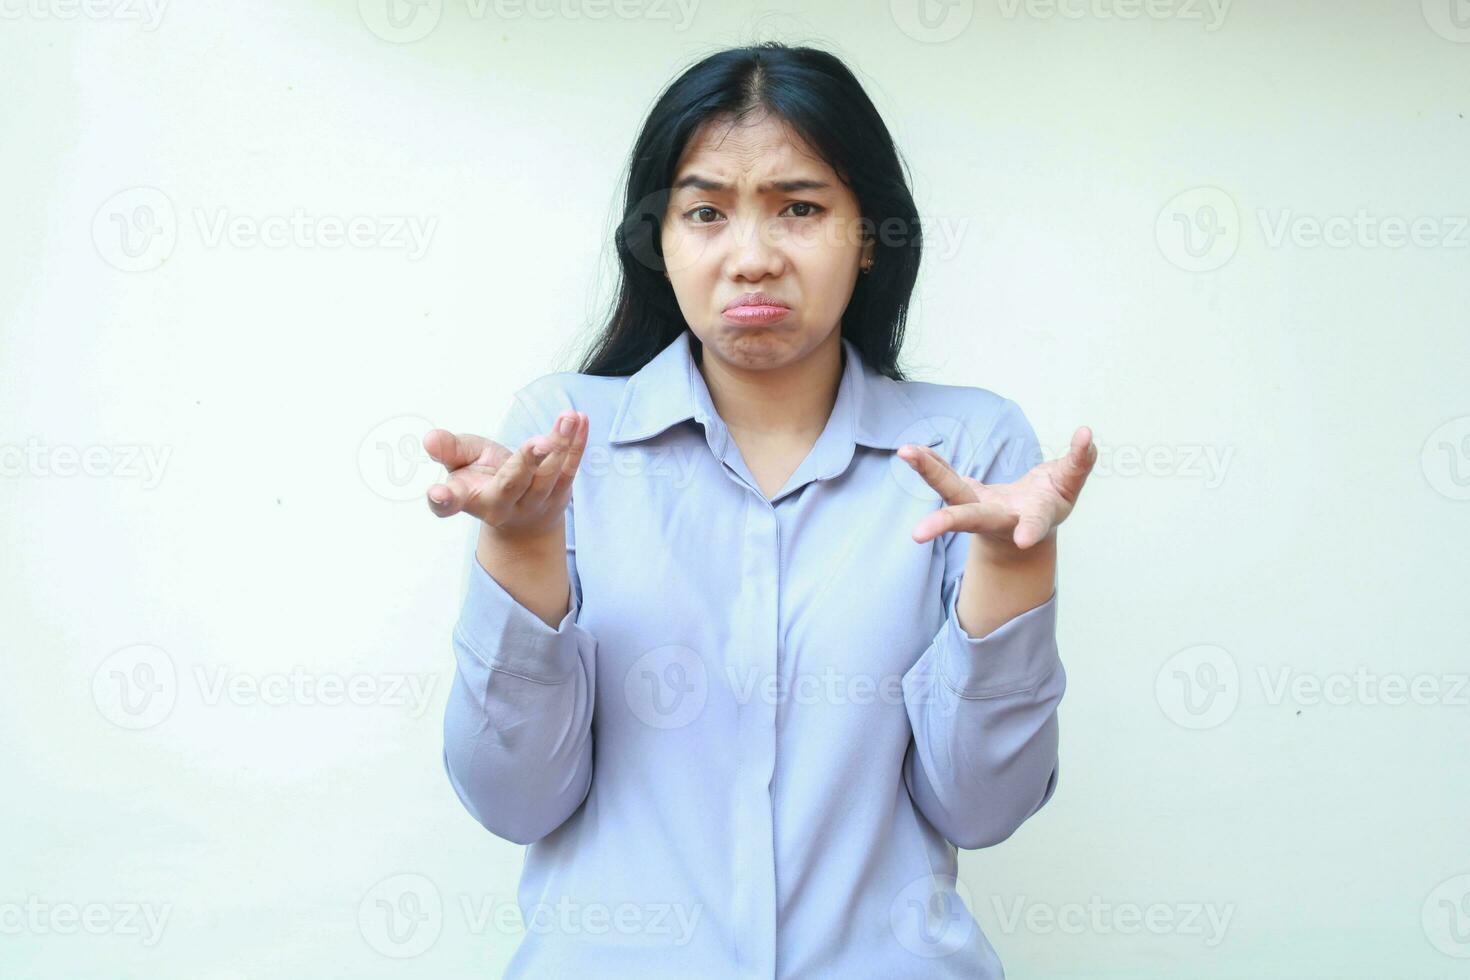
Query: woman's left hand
x,y
1010,517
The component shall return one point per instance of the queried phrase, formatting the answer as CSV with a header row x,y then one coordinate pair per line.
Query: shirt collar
x,y
871,408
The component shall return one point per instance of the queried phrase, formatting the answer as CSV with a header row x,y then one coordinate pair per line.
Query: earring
x,y
867,267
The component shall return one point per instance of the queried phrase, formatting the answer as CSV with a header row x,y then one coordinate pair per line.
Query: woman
x,y
722,663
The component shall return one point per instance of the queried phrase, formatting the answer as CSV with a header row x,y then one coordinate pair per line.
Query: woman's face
x,y
753,210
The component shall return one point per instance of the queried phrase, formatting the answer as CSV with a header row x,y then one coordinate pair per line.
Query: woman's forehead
x,y
750,151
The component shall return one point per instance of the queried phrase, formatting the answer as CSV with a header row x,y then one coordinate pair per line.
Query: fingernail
x,y
565,426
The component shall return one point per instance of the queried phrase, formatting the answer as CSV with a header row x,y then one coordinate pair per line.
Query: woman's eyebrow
x,y
699,182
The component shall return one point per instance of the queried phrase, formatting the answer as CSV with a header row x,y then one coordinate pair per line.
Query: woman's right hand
x,y
516,493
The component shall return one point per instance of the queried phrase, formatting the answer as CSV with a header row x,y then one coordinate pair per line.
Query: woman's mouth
x,y
755,315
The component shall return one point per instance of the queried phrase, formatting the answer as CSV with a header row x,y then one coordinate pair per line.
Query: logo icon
x,y
136,230
940,433
1450,19
392,459
1446,917
401,21
1198,687
401,916
931,916
932,21
136,687
1199,229
1445,458
667,687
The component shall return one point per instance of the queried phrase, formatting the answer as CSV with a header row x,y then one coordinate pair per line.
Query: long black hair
x,y
814,93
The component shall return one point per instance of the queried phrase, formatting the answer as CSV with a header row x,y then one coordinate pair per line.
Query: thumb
x,y
450,497
454,451
1078,463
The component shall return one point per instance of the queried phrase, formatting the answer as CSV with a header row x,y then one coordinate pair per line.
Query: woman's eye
x,y
693,214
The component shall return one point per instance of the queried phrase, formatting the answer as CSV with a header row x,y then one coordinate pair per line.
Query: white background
x,y
1281,495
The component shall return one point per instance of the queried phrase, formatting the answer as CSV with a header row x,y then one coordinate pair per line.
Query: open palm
x,y
1019,513
525,490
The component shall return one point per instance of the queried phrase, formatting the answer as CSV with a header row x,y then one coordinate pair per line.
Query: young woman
x,y
725,663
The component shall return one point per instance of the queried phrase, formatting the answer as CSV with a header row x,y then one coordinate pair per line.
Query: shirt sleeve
x,y
518,724
984,711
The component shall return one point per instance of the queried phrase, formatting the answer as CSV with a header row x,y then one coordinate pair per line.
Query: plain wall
x,y
1262,592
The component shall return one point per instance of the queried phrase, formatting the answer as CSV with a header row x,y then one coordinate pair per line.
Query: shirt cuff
x,y
1014,657
508,637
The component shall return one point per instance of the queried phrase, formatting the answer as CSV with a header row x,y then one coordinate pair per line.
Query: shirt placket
x,y
755,741
754,652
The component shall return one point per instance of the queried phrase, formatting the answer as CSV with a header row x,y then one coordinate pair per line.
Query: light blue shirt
x,y
752,745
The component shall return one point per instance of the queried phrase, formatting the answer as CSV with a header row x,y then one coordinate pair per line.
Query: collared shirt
x,y
754,742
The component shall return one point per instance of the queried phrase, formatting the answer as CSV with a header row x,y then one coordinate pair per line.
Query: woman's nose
x,y
754,250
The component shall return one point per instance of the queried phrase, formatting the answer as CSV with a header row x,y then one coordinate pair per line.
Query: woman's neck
x,y
791,403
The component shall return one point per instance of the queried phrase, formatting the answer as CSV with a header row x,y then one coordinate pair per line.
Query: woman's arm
x,y
999,584
984,716
518,724
533,570
982,698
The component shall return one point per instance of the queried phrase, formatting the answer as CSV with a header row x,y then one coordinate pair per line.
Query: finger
x,y
563,431
1082,453
573,458
1031,528
1077,464
936,472
514,477
989,514
450,497
477,484
454,451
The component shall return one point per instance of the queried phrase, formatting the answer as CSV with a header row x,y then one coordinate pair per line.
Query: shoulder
x,y
531,408
983,415
985,433
560,391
